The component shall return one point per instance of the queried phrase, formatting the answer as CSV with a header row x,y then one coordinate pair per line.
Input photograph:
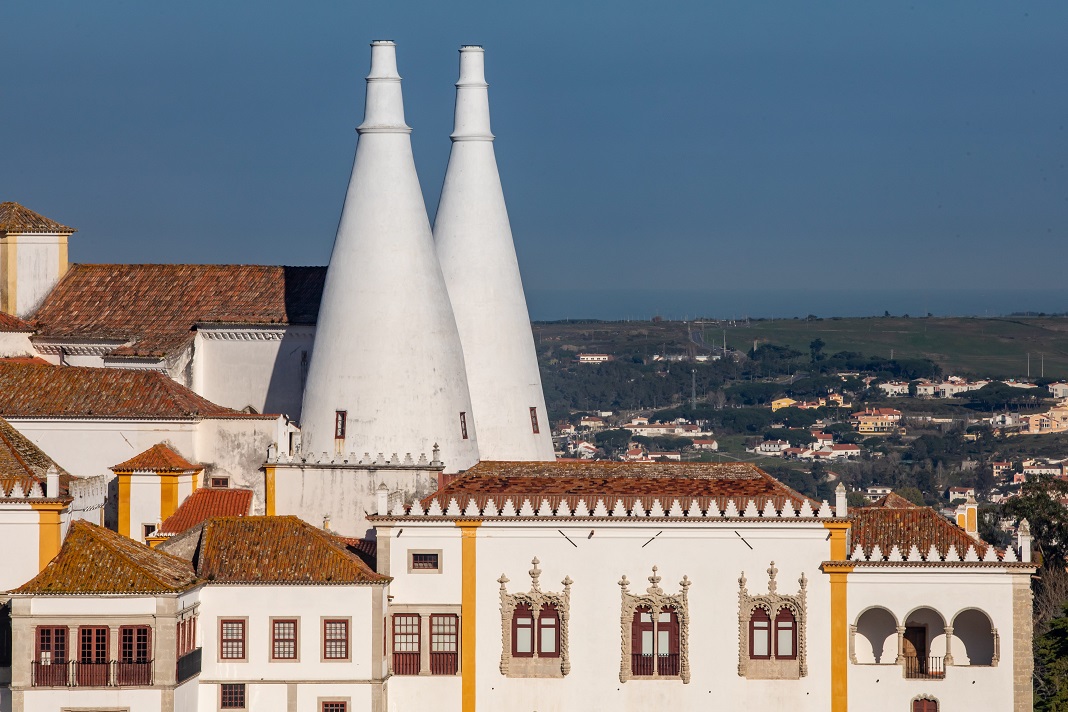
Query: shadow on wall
x,y
303,293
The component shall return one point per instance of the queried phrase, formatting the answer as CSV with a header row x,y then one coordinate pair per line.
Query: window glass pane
x,y
665,617
285,640
524,642
663,642
443,634
548,636
646,617
761,638
647,642
406,634
784,646
336,637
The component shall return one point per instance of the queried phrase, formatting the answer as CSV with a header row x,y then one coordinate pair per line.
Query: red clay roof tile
x,y
157,307
19,219
10,322
893,520
94,560
280,549
629,481
33,391
206,503
158,458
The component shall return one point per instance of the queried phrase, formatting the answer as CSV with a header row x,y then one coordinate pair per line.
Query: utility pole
x,y
693,389
1028,364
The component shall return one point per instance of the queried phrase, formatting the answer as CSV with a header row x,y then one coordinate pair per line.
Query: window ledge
x,y
535,667
773,670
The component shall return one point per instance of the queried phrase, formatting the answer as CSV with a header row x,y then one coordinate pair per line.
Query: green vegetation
x,y
995,348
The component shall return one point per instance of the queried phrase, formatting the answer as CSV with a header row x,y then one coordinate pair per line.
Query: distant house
x,y
876,492
925,389
593,358
1000,468
585,450
961,493
877,421
823,438
773,447
593,422
665,456
894,388
1058,390
705,444
635,454
780,403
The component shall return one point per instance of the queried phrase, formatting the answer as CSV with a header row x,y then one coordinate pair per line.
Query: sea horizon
x,y
641,305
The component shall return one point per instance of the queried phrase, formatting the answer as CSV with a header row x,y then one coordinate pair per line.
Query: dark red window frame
x,y
523,612
135,644
407,634
463,424
424,561
759,615
335,706
534,419
284,638
336,647
444,643
230,643
93,644
341,418
232,696
549,617
783,616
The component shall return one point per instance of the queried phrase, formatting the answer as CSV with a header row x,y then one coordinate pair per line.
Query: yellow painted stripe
x,y
49,539
9,271
839,614
270,490
468,530
63,263
124,504
168,495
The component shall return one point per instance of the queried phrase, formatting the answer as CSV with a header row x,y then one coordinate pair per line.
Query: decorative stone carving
x,y
535,598
656,600
772,602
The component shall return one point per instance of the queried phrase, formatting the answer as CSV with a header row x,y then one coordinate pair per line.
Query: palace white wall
x,y
948,591
713,556
38,264
129,699
262,367
15,343
20,527
343,493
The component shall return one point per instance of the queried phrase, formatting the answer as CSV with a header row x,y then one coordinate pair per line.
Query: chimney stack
x,y
52,482
1023,540
841,501
387,352
474,244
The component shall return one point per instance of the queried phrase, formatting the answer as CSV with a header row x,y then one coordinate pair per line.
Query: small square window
x,y
147,530
232,696
220,482
335,706
425,561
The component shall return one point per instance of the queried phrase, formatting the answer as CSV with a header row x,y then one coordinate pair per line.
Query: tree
x,y
856,499
815,348
613,440
913,495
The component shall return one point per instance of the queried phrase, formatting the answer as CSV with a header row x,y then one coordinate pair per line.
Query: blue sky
x,y
700,146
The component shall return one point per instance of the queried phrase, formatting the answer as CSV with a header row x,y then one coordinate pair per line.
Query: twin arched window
x,y
772,638
540,634
655,642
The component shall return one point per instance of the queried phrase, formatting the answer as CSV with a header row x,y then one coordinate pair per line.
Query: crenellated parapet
x,y
535,506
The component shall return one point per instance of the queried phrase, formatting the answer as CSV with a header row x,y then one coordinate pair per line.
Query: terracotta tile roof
x,y
366,549
94,560
33,391
18,219
10,322
24,463
893,520
206,503
156,307
629,481
158,458
283,550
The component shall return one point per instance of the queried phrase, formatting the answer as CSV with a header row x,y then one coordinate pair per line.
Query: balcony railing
x,y
79,674
924,668
642,665
443,663
405,663
189,665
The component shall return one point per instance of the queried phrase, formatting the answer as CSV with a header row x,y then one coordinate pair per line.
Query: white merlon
x,y
387,373
473,238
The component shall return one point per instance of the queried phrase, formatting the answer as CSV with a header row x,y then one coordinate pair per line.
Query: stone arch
x,y
875,637
934,625
978,639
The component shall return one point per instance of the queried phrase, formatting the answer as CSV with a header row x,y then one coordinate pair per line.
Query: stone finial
x,y
503,580
436,455
1023,540
841,501
535,574
654,582
624,583
383,499
685,583
772,572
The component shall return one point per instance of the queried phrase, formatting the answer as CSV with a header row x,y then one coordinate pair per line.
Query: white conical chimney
x,y
387,371
474,243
